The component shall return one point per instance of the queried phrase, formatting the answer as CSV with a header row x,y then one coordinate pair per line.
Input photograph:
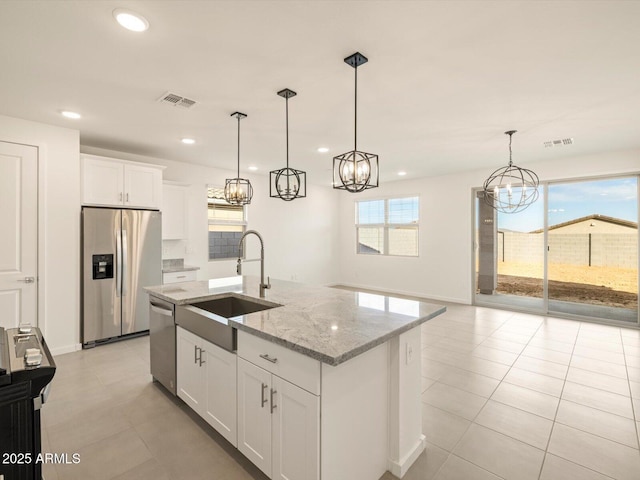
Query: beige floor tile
x,y
426,383
470,382
635,389
535,381
597,354
500,454
107,458
433,369
556,468
484,367
632,360
596,453
504,345
455,345
444,355
548,344
441,428
511,337
426,465
149,470
454,400
592,397
542,353
516,423
455,468
604,424
599,381
598,366
530,401
494,355
634,374
542,367
615,347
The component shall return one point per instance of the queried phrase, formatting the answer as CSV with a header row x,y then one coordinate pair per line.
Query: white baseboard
x,y
68,349
400,468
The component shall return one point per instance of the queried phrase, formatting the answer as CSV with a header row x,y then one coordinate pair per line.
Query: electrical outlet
x,y
409,349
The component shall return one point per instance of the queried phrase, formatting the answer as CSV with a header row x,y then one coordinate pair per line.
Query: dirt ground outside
x,y
610,286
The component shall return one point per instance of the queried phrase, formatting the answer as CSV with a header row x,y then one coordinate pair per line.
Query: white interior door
x,y
19,238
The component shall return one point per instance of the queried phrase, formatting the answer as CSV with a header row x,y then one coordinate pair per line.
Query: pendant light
x,y
355,171
238,191
287,183
511,189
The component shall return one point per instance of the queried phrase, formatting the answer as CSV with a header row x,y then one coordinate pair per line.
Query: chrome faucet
x,y
263,286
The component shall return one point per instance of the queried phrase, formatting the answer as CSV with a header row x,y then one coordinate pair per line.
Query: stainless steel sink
x,y
229,307
208,319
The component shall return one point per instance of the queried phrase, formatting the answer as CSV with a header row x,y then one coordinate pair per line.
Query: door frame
x,y
545,310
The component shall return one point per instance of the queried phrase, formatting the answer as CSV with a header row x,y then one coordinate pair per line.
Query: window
x,y
387,227
226,225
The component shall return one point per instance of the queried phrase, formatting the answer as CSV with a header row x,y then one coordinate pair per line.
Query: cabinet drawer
x,y
292,366
175,277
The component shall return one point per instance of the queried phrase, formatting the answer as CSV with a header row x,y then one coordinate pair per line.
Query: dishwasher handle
x,y
162,311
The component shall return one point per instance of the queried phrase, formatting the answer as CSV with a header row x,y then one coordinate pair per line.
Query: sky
x,y
616,197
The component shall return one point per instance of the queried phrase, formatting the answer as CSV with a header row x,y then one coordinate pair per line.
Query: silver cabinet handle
x,y
200,359
27,280
127,197
273,404
181,276
268,358
195,354
120,196
263,399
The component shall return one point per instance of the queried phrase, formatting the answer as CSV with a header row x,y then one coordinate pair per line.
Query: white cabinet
x,y
174,211
278,424
206,381
112,182
176,277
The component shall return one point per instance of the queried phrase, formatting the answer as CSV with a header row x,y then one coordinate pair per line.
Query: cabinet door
x,y
189,373
296,432
174,212
142,186
102,182
220,405
254,415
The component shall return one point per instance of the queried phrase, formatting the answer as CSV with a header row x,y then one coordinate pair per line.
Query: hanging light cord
x,y
510,152
355,123
238,146
287,122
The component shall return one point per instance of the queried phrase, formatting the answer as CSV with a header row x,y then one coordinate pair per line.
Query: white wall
x,y
59,227
301,237
443,269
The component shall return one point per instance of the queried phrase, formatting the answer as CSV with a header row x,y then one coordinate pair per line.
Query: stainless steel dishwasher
x,y
162,340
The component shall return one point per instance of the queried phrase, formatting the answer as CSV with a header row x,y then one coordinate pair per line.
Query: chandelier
x,y
355,171
287,183
238,191
511,189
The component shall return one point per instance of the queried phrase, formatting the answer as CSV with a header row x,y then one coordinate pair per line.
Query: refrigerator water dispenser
x,y
102,266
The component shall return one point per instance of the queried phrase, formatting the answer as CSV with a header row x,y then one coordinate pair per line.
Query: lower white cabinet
x,y
206,381
177,277
278,424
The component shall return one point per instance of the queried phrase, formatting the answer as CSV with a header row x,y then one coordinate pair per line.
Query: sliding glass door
x,y
573,252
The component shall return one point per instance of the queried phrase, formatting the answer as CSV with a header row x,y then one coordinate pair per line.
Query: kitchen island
x,y
328,381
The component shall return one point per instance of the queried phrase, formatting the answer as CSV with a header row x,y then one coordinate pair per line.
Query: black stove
x,y
26,370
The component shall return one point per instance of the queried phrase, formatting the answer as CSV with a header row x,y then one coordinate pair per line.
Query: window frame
x,y
386,226
241,223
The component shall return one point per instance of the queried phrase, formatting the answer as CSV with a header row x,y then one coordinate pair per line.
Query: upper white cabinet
x,y
112,182
174,211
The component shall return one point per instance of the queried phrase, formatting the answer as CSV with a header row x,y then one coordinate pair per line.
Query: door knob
x,y
28,280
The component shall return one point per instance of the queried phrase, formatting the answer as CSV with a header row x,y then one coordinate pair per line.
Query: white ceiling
x,y
444,80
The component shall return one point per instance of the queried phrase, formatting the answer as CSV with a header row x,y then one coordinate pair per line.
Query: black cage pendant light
x,y
287,183
355,171
511,189
238,191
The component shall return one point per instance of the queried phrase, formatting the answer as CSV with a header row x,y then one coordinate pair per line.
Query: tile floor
x,y
505,395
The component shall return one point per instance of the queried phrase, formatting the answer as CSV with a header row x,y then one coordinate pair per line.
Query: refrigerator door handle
x,y
118,264
125,261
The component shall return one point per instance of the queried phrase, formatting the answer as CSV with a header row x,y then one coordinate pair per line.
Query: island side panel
x,y
354,417
406,440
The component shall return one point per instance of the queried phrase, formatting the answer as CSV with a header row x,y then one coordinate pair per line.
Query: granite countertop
x,y
328,324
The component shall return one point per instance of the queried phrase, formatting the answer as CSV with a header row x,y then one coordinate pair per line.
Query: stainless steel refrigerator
x,y
121,254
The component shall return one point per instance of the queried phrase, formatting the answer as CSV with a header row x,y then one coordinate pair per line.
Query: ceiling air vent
x,y
558,143
176,100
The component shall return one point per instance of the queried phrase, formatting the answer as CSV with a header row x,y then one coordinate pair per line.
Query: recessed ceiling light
x,y
73,115
402,173
188,141
253,168
323,149
130,20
